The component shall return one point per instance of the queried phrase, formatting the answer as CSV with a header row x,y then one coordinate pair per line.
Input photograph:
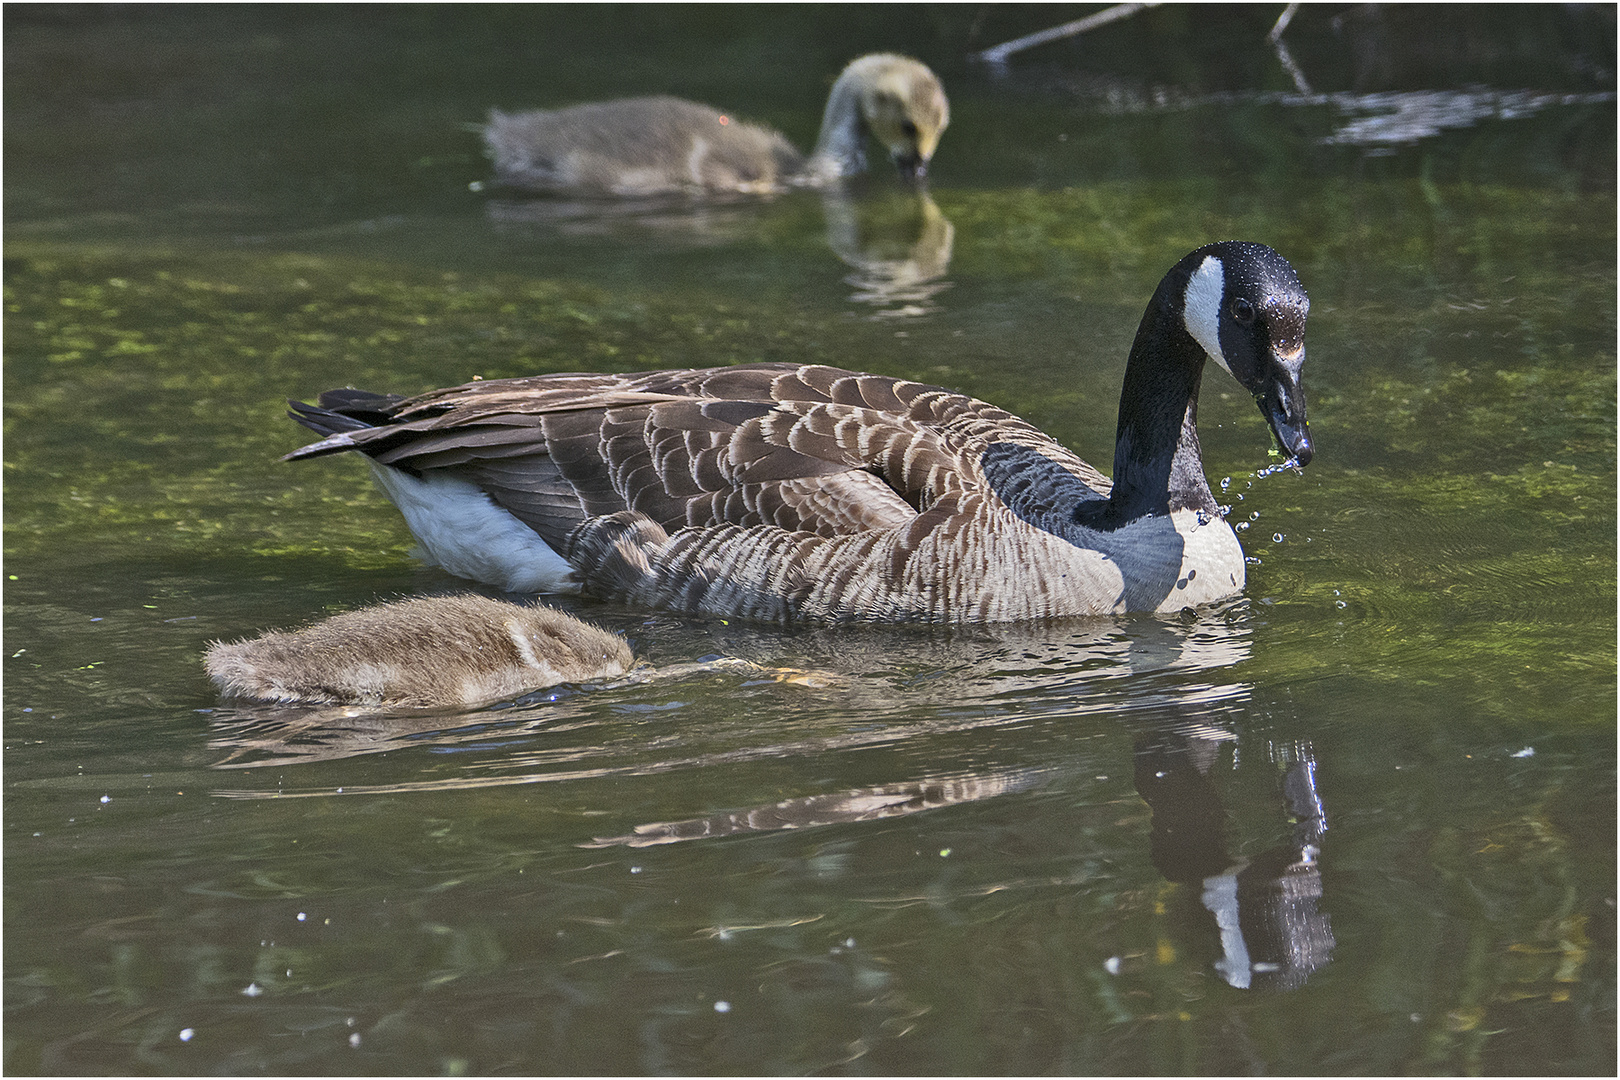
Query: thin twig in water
x,y
1282,23
998,54
1285,57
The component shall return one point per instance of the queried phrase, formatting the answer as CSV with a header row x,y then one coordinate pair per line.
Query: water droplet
x,y
1282,466
635,869
1340,604
302,916
1241,526
186,1034
1226,482
722,1006
106,798
253,990
354,1039
1111,965
1276,538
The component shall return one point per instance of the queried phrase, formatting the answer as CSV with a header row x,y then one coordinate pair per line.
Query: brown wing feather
x,y
805,448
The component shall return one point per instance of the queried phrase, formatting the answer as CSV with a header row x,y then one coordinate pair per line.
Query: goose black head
x,y
1244,305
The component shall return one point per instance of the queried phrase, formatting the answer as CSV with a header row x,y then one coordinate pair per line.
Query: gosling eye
x,y
1242,311
908,129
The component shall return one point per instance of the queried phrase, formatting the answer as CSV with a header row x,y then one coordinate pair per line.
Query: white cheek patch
x,y
1201,309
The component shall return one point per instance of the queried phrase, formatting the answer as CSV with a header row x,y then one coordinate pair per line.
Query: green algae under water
x,y
1430,621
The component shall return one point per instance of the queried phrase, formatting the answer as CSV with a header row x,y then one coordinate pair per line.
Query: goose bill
x,y
1283,405
912,166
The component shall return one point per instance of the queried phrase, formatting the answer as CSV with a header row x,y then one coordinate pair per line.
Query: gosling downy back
x,y
663,145
785,492
637,147
439,651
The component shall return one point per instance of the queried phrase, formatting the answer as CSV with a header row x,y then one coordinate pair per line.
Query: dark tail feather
x,y
345,410
341,411
362,404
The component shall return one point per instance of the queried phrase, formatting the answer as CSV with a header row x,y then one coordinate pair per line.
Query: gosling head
x,y
903,105
1244,305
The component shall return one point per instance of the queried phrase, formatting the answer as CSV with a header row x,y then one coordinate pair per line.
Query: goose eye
x,y
908,129
1242,311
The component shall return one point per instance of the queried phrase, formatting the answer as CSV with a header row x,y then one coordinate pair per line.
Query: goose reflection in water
x,y
896,695
1271,932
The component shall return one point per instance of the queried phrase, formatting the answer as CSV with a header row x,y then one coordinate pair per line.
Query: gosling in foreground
x,y
432,651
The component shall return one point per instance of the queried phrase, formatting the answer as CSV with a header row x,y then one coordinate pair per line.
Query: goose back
x,y
786,492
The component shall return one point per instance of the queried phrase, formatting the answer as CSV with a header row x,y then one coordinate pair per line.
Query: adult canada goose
x,y
781,492
659,145
436,650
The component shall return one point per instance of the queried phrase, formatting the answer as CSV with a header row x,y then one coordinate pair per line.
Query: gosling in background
x,y
439,650
661,145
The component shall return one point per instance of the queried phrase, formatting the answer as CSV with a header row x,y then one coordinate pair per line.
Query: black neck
x,y
1157,466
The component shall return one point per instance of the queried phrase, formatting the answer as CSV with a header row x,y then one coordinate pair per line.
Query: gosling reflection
x,y
898,243
899,246
256,735
677,219
1272,935
838,808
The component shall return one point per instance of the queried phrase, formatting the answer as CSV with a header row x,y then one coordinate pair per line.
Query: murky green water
x,y
996,850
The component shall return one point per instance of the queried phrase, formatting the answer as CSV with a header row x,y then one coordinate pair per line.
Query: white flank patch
x,y
547,675
521,640
694,160
460,528
1201,309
